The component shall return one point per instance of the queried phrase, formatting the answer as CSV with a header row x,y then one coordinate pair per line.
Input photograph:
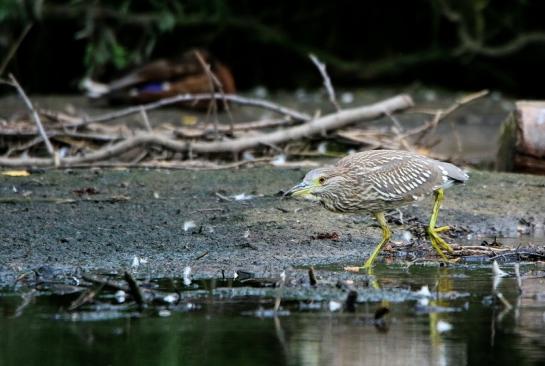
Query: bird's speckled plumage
x,y
379,180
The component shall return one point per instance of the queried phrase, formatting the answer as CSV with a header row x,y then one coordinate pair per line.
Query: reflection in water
x,y
221,330
340,340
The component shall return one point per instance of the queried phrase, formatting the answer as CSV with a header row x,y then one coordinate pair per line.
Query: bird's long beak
x,y
299,190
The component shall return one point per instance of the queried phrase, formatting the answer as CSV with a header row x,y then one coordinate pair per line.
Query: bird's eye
x,y
321,180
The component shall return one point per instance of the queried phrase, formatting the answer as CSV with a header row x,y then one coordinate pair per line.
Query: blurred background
x,y
458,45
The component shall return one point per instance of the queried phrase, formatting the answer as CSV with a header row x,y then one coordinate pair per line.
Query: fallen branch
x,y
315,127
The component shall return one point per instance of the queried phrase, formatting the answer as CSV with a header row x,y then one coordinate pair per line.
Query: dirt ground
x,y
99,220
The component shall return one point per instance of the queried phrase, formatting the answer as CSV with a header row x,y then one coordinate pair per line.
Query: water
x,y
227,322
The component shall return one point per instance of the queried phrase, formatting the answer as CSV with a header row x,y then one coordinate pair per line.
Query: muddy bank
x,y
81,220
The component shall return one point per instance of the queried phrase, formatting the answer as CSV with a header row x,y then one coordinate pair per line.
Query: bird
x,y
377,181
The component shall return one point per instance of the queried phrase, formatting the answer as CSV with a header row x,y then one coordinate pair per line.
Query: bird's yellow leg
x,y
386,235
436,241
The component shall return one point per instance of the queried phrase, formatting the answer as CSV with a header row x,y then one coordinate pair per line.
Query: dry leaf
x,y
16,173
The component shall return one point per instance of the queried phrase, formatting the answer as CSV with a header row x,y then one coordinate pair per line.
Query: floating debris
x,y
443,326
171,298
335,306
424,292
267,313
163,313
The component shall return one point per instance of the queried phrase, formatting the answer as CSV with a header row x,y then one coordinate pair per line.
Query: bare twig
x,y
36,118
145,119
14,47
259,103
475,43
398,130
317,126
327,81
215,82
441,114
188,132
213,105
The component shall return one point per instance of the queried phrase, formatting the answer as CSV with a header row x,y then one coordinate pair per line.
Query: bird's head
x,y
316,184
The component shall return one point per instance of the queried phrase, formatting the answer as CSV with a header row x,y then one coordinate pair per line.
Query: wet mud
x,y
102,221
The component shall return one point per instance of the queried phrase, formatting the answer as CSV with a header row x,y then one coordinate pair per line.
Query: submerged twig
x,y
27,298
135,290
86,297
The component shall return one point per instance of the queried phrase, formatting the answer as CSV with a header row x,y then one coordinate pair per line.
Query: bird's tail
x,y
454,173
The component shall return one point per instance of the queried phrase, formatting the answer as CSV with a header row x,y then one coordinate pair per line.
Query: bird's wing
x,y
403,179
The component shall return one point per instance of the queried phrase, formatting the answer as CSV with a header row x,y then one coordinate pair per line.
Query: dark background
x,y
456,44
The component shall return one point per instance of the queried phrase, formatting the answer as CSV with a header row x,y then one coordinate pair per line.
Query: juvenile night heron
x,y
380,180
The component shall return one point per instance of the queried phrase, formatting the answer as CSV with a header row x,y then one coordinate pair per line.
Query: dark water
x,y
220,323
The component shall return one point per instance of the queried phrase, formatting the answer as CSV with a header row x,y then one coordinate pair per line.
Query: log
x,y
522,141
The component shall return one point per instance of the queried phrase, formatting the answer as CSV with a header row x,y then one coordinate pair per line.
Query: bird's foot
x,y
436,240
442,228
438,243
